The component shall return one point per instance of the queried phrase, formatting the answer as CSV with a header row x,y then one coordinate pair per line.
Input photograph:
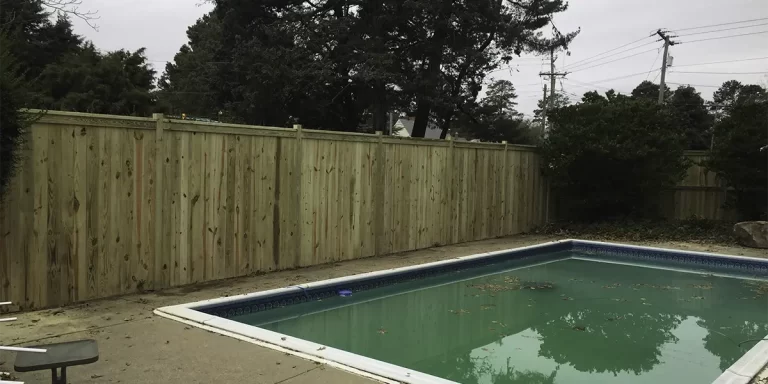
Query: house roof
x,y
433,132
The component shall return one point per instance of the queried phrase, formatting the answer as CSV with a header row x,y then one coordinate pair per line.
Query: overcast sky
x,y
160,26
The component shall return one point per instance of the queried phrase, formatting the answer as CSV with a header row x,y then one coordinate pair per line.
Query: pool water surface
x,y
565,319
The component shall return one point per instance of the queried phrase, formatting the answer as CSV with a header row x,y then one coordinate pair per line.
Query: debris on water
x,y
509,284
612,286
646,303
534,285
458,311
697,297
382,331
579,328
759,287
642,298
567,298
703,286
486,307
619,300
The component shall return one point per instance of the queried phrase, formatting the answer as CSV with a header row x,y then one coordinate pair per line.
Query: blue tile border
x,y
620,252
707,262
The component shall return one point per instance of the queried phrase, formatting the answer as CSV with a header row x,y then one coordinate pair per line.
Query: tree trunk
x,y
423,109
379,108
445,125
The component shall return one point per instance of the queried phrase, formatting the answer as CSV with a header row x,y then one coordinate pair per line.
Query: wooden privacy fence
x,y
701,194
107,205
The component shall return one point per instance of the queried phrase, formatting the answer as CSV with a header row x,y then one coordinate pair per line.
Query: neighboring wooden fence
x,y
107,205
701,194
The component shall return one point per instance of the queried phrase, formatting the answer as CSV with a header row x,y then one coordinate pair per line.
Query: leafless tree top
x,y
72,7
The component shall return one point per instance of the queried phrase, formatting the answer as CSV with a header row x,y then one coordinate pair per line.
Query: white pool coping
x,y
741,372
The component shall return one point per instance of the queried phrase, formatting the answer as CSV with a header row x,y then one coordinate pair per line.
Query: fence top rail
x,y
90,119
65,114
149,123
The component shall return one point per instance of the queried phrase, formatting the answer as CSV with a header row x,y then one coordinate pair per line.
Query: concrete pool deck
x,y
138,346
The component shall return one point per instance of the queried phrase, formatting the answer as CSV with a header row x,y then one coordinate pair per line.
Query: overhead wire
x,y
574,65
591,86
721,73
721,62
622,77
658,53
695,85
608,51
721,30
719,25
722,37
612,61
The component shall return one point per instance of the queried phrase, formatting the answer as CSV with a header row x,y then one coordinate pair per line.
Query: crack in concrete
x,y
296,375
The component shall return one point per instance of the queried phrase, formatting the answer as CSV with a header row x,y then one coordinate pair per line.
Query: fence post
x,y
159,270
378,200
504,191
452,208
297,180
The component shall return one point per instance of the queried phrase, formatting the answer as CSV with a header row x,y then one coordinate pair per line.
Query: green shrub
x,y
613,157
12,122
737,158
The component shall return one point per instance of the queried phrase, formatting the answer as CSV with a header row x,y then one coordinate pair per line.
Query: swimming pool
x,y
563,312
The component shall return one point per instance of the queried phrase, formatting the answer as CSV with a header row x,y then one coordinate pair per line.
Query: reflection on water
x,y
571,321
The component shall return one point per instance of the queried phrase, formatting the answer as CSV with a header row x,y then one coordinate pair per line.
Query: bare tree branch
x,y
72,7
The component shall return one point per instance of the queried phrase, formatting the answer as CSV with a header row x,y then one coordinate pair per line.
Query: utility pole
x,y
663,85
552,78
544,114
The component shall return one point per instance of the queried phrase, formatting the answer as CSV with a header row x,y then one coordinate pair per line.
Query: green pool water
x,y
561,321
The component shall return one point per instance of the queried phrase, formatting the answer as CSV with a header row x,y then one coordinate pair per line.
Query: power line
x,y
722,37
723,73
724,29
658,52
698,85
721,62
591,86
617,53
613,61
720,25
611,50
622,77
